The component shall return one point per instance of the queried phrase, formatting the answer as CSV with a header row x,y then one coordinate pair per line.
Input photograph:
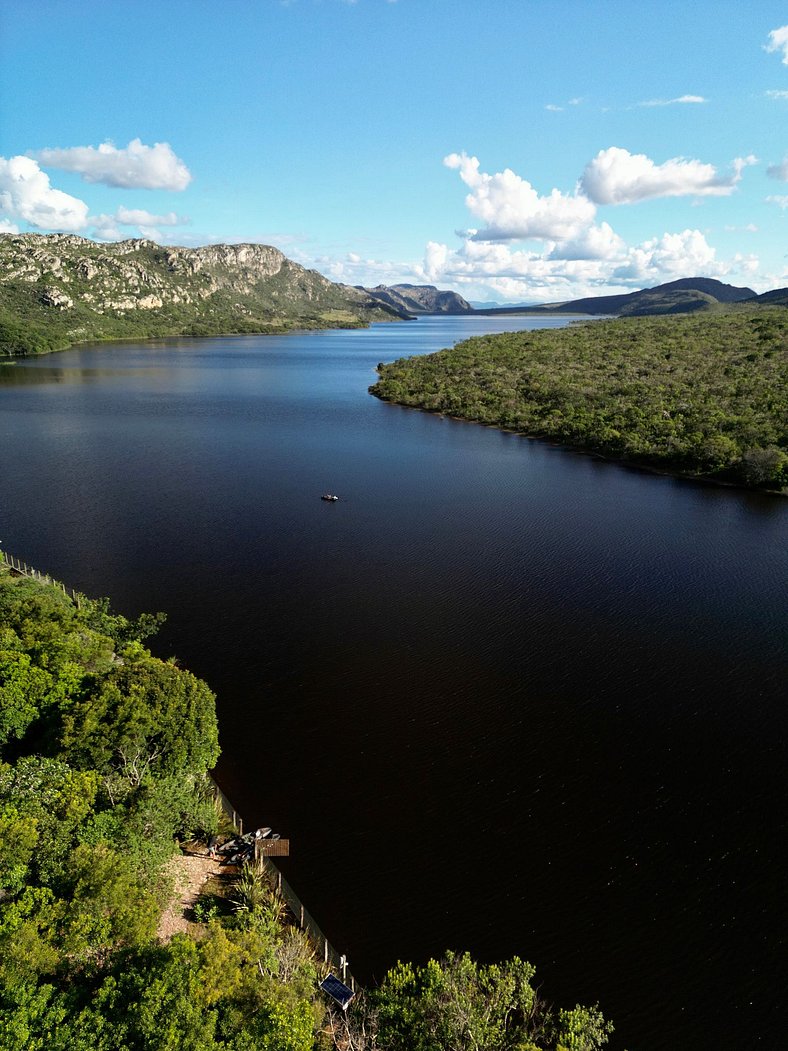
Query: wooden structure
x,y
271,848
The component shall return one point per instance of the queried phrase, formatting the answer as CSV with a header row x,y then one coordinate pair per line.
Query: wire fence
x,y
332,959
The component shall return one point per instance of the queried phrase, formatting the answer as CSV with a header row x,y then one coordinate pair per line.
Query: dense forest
x,y
701,394
105,752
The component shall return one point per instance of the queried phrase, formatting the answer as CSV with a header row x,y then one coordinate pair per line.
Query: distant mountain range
x,y
675,297
418,299
60,289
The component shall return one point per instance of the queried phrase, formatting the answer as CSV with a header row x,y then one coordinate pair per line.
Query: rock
x,y
53,297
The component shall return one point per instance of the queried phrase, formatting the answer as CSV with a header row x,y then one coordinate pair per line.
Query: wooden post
x,y
325,949
302,916
279,882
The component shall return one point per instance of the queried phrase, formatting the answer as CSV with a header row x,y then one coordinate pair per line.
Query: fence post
x,y
302,916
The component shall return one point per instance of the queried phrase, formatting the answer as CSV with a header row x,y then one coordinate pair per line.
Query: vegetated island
x,y
59,289
702,394
104,753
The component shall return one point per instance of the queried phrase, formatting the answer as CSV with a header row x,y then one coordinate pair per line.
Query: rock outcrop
x,y
55,285
419,299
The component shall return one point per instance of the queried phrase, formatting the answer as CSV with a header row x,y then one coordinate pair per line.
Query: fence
x,y
25,570
331,958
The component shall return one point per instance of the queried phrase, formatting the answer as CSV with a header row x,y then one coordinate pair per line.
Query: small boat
x,y
329,496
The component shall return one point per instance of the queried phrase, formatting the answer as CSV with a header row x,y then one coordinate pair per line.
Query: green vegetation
x,y
105,751
701,394
59,289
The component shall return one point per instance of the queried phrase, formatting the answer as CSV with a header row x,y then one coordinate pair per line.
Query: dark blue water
x,y
501,697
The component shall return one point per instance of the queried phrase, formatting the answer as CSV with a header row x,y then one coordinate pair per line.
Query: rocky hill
x,y
60,289
684,296
419,299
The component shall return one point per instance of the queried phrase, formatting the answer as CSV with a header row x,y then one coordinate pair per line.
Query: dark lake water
x,y
501,697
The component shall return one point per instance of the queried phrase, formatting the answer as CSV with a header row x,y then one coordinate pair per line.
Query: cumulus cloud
x,y
512,208
608,265
140,217
781,200
778,41
26,194
682,100
672,255
778,171
616,176
136,166
597,242
7,227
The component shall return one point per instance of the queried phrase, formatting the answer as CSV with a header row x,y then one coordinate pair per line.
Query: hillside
x,y
60,289
684,296
419,299
700,394
778,297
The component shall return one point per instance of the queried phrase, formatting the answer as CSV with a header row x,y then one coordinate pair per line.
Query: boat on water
x,y
332,497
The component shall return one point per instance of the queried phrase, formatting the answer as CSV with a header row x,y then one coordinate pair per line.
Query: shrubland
x,y
701,394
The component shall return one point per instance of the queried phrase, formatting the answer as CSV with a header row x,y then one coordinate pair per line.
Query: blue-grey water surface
x,y
501,696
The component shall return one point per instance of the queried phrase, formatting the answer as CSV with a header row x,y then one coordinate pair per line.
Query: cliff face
x,y
57,289
419,299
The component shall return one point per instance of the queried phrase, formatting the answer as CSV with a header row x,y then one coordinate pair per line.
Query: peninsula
x,y
701,394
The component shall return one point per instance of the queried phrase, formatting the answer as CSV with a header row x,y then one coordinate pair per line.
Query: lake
x,y
501,696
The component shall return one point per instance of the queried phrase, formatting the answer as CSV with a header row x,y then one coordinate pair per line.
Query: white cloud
x,y
135,166
553,108
778,41
435,259
479,269
25,193
7,227
682,100
106,229
512,208
781,200
140,217
616,176
597,242
777,94
778,171
685,254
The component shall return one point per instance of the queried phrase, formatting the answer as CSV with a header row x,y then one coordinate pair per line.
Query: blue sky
x,y
516,150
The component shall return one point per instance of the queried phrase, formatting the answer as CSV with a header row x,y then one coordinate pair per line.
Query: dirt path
x,y
190,872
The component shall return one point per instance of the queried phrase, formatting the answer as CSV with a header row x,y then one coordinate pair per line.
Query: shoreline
x,y
583,450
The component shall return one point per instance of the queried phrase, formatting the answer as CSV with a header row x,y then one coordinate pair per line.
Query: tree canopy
x,y
703,394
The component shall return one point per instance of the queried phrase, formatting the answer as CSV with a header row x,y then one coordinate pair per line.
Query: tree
x,y
457,1004
145,717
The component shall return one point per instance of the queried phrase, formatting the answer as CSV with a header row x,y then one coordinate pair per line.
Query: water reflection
x,y
544,692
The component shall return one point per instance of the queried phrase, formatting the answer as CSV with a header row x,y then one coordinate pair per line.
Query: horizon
x,y
385,142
